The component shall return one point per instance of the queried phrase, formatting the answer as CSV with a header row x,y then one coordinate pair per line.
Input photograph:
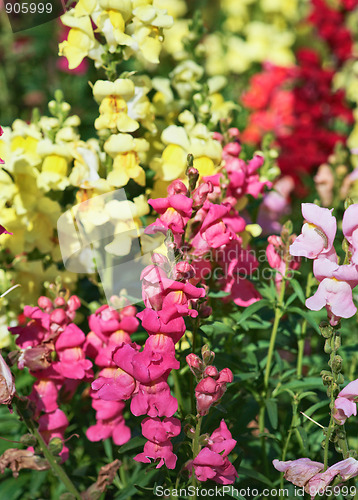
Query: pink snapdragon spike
x,y
345,404
212,461
211,388
52,348
7,384
350,230
335,289
53,425
213,232
318,232
44,394
221,440
168,300
159,432
110,422
243,177
104,321
145,366
175,211
114,385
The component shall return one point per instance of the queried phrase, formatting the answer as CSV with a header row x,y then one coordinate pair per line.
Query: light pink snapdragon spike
x,y
345,404
7,385
299,471
307,474
318,232
346,469
350,230
335,289
274,254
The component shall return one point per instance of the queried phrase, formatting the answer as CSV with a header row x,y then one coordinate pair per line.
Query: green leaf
x,y
135,442
255,475
306,315
217,328
271,406
233,493
249,311
218,295
303,435
298,289
304,385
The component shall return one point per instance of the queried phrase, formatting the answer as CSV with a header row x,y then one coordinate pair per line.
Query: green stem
x,y
278,316
292,426
326,444
57,469
262,437
334,381
302,337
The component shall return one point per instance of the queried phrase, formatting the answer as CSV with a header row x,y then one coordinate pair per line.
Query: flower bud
x,y
192,173
195,364
7,384
232,148
337,364
189,431
28,440
183,271
327,346
337,342
177,187
204,310
200,194
204,439
45,303
207,355
211,371
55,445
58,316
60,302
326,329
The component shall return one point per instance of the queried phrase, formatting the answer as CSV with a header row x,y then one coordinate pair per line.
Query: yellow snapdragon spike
x,y
28,144
125,167
174,161
121,87
124,6
85,7
112,25
204,165
55,164
76,47
150,47
175,8
127,153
